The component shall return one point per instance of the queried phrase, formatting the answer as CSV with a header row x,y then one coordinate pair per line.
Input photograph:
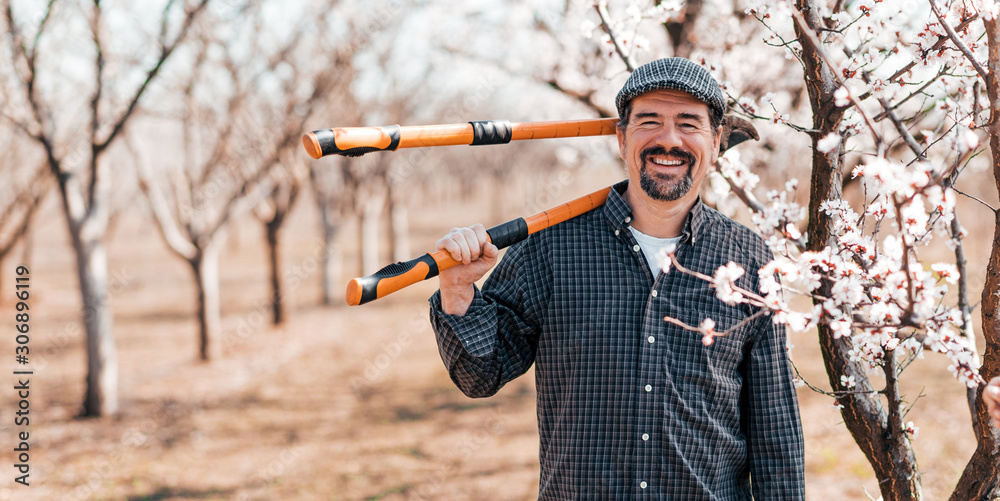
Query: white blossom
x,y
828,142
947,271
842,97
707,328
665,257
725,283
748,105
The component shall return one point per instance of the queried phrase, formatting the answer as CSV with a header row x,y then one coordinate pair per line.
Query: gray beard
x,y
665,190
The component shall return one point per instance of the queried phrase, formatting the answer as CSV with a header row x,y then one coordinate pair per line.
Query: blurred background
x,y
187,260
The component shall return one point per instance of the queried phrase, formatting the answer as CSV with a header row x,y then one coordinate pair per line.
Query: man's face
x,y
669,144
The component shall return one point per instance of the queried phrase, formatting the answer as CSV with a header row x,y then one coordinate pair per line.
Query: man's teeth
x,y
658,161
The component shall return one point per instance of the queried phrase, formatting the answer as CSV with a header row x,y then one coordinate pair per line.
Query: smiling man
x,y
630,406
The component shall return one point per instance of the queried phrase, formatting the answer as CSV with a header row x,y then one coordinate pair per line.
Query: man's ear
x,y
621,142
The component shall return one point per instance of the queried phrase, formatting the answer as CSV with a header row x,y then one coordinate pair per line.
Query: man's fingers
x,y
453,244
472,245
465,254
467,244
481,235
491,251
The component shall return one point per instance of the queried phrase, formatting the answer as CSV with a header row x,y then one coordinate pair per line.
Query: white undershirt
x,y
653,248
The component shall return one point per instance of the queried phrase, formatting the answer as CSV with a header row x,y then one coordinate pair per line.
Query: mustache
x,y
674,152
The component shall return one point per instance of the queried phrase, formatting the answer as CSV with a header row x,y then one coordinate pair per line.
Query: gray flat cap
x,y
672,73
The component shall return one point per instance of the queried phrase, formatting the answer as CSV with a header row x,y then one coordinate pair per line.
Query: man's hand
x,y
991,394
472,247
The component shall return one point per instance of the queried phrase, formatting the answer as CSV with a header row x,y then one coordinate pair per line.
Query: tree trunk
x,y
981,478
370,259
332,258
885,446
102,356
399,222
205,266
681,32
272,230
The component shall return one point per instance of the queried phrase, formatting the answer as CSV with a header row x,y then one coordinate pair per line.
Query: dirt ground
x,y
340,403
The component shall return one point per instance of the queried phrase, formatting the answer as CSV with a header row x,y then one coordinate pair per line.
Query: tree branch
x,y
165,52
601,7
95,102
30,199
28,75
937,45
959,43
810,35
165,223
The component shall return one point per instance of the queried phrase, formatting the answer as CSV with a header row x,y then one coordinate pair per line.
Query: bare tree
x,y
273,212
232,153
76,153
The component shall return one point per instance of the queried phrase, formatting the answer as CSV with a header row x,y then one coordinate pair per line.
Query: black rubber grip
x,y
491,132
509,233
369,284
328,144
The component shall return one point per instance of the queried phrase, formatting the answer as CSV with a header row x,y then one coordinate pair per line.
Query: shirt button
x,y
655,293
628,219
643,484
649,388
651,339
636,248
617,232
645,437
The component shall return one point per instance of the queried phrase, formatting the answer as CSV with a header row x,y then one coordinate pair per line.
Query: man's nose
x,y
668,137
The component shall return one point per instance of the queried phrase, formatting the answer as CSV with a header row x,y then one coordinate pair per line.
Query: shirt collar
x,y
619,214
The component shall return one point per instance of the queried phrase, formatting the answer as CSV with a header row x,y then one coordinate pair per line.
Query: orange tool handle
x,y
356,141
399,275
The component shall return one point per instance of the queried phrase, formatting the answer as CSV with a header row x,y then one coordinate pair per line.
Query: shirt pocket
x,y
710,374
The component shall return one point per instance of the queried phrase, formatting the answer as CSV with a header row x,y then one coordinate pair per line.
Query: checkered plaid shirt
x,y
630,406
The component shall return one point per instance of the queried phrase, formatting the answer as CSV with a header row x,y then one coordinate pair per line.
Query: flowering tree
x,y
927,72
